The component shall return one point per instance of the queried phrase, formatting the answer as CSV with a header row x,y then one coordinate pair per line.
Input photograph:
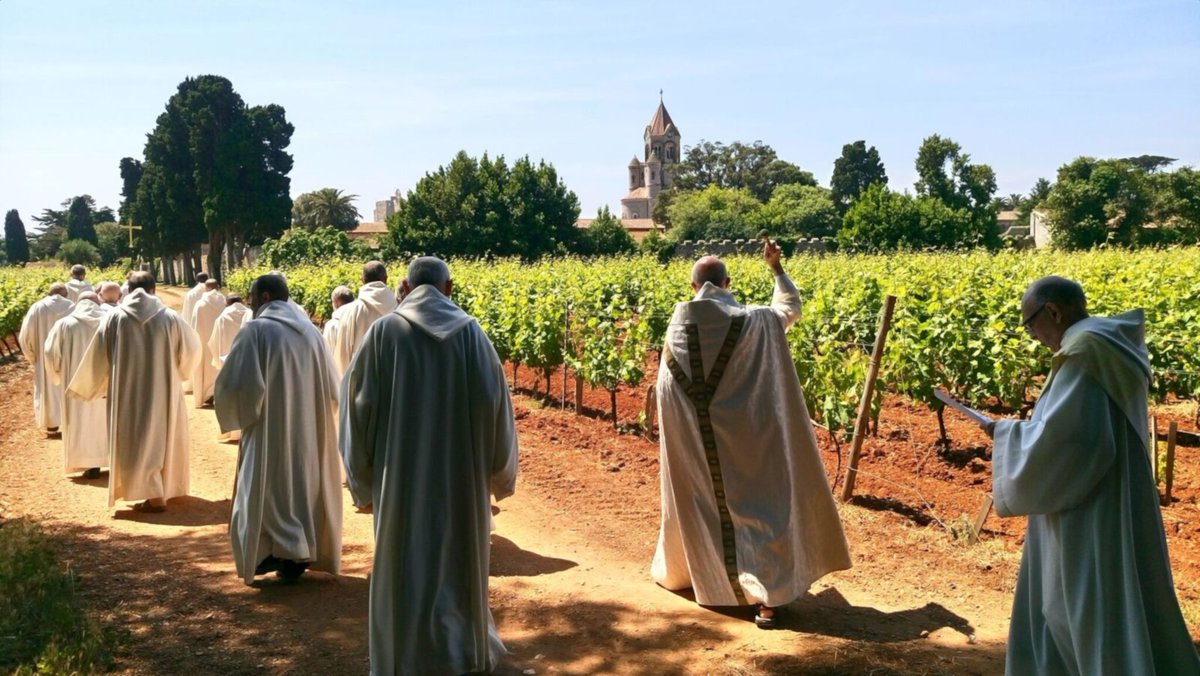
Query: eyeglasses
x,y
1025,324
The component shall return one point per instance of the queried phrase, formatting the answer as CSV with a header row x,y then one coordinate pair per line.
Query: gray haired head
x,y
1063,292
428,270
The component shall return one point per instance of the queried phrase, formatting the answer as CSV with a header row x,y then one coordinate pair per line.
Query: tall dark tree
x,y
755,167
484,207
857,169
131,176
215,171
1150,163
16,244
80,224
1099,201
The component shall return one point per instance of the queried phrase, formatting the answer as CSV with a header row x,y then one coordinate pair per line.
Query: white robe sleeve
x,y
53,356
785,301
1053,462
503,481
90,380
240,390
28,339
359,416
188,355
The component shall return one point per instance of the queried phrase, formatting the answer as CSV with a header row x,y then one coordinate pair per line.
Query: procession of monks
x,y
404,395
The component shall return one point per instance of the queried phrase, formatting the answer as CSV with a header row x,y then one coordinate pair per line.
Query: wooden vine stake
x,y
578,394
1170,470
984,510
864,407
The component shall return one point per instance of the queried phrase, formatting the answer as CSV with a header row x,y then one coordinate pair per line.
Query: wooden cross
x,y
131,227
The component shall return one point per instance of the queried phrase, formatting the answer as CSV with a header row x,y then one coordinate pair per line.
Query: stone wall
x,y
727,247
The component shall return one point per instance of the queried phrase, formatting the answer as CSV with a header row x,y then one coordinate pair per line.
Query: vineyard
x,y
956,324
22,287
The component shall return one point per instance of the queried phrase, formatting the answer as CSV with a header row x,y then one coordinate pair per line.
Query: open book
x,y
975,416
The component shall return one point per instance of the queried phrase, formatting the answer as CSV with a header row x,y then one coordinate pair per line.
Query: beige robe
x,y
76,287
375,300
47,396
138,359
84,423
204,316
277,386
752,519
428,437
189,303
331,331
226,328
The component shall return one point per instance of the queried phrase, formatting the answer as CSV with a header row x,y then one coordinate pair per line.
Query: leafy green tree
x,y
112,241
327,206
857,169
715,213
755,168
301,247
884,220
606,236
1176,205
16,244
801,211
945,173
78,251
484,207
656,245
1150,163
1095,202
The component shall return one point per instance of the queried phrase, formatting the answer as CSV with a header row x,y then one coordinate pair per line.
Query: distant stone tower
x,y
650,176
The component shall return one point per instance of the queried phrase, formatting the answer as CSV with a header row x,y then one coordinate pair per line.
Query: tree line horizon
x,y
214,171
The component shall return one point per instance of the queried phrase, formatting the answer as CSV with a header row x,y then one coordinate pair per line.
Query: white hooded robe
x,y
138,359
189,303
331,331
47,396
1094,595
204,316
75,287
752,519
84,423
231,321
428,437
277,386
374,300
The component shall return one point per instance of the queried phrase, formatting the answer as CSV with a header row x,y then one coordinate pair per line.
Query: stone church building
x,y
649,176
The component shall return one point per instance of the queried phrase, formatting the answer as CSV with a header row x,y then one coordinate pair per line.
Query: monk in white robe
x,y
78,283
84,423
189,303
341,297
205,312
375,300
747,513
138,359
428,437
232,319
277,386
41,317
1094,594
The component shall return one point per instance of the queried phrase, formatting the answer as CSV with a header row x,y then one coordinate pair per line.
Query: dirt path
x,y
570,583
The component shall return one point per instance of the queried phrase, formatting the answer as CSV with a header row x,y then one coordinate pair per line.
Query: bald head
x,y
710,269
374,271
211,285
1064,292
58,289
109,292
88,295
340,296
140,279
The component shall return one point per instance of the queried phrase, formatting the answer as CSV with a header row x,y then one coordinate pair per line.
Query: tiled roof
x,y
660,121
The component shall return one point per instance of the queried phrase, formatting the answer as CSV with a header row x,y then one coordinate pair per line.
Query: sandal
x,y
764,621
146,508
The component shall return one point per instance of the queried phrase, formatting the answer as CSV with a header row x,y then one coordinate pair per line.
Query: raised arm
x,y
785,301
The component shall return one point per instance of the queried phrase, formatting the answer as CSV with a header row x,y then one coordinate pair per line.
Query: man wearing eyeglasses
x,y
1094,595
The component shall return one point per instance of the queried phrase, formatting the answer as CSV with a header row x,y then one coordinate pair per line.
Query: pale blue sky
x,y
382,92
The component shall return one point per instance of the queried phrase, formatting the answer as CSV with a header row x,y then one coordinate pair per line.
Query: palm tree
x,y
327,206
